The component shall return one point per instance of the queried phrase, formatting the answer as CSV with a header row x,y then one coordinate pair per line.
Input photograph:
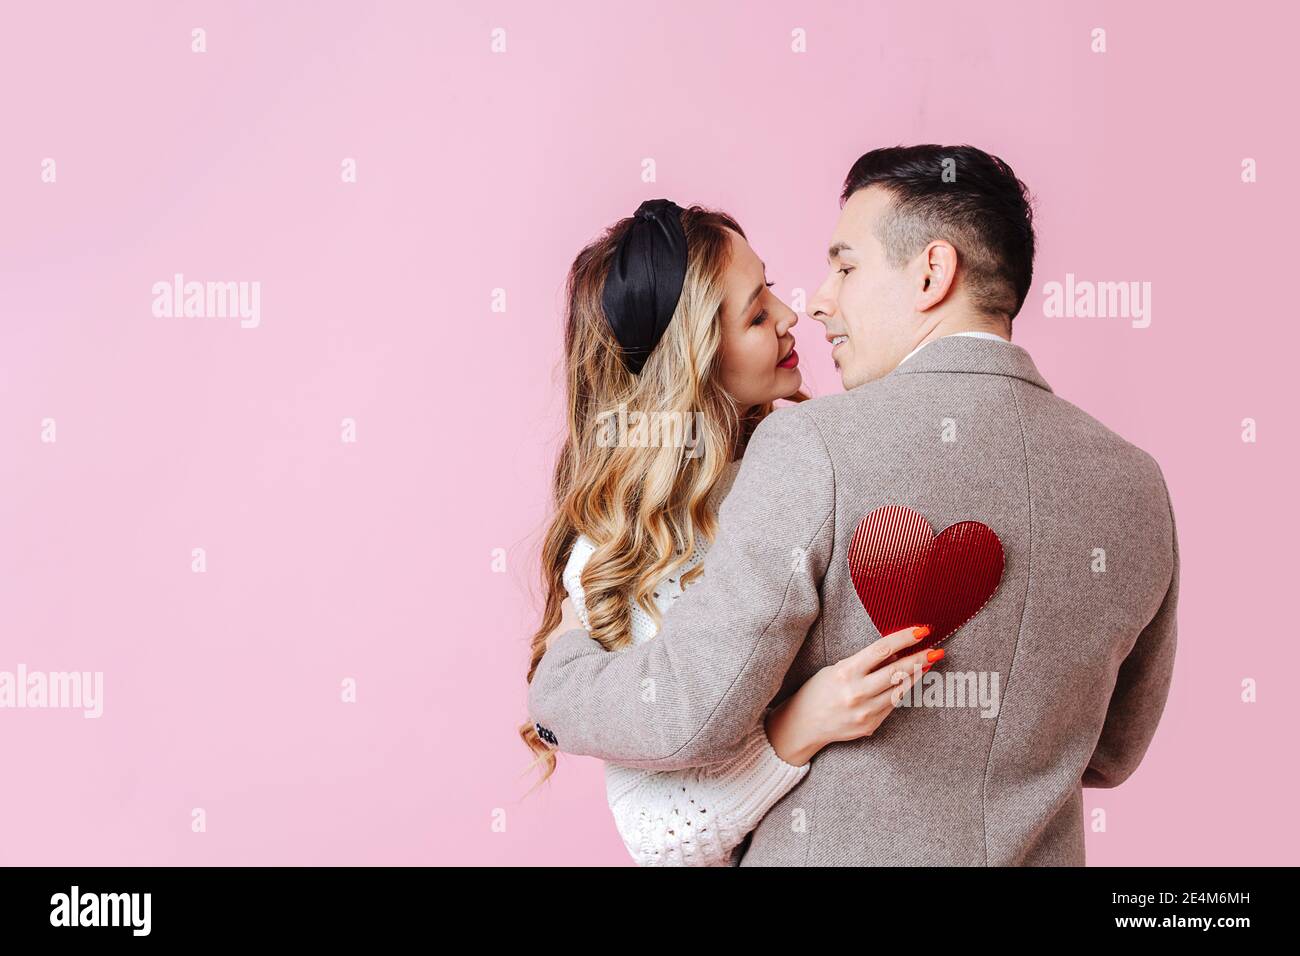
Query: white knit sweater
x,y
698,816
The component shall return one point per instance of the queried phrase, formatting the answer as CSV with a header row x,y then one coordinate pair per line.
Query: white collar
x,y
982,335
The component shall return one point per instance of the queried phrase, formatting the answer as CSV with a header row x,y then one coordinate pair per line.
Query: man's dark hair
x,y
973,201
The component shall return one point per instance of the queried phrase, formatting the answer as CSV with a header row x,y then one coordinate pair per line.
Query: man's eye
x,y
846,270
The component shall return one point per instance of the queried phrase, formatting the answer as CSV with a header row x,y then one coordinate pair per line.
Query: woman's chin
x,y
786,383
790,380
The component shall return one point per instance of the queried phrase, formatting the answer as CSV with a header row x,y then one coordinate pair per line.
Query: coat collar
x,y
971,354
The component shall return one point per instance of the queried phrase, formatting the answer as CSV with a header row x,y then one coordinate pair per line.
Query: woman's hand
x,y
850,698
569,621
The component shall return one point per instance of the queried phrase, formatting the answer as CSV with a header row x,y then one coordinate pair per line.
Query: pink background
x,y
479,171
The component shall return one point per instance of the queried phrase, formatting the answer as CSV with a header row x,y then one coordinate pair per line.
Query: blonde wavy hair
x,y
641,505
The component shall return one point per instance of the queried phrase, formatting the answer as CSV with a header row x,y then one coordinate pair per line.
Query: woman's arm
x,y
695,816
698,816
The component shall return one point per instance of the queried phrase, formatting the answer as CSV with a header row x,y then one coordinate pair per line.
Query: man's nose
x,y
822,305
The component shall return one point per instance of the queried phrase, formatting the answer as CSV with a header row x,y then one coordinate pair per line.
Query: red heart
x,y
905,575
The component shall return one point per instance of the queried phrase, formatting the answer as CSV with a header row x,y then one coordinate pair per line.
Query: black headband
x,y
645,280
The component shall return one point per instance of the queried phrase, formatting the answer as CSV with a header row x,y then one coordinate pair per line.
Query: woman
x,y
671,315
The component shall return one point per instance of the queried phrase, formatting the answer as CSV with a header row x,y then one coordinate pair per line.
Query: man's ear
x,y
938,262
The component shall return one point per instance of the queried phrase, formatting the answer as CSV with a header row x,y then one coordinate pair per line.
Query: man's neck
x,y
955,327
966,323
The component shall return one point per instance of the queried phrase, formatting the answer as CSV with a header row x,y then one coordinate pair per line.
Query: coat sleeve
x,y
690,696
1141,689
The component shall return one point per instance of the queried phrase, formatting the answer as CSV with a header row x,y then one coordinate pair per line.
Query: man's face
x,y
866,304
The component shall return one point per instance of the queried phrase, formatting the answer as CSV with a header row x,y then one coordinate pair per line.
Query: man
x,y
930,262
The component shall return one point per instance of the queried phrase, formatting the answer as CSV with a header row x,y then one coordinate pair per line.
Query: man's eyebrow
x,y
836,249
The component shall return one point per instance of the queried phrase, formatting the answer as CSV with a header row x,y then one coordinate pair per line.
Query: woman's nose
x,y
788,321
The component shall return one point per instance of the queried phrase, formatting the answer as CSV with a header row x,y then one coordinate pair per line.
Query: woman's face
x,y
759,364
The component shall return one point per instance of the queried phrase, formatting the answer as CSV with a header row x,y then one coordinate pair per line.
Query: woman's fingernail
x,y
934,655
926,668
920,632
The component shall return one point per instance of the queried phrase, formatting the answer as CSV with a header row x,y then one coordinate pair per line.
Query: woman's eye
x,y
762,316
